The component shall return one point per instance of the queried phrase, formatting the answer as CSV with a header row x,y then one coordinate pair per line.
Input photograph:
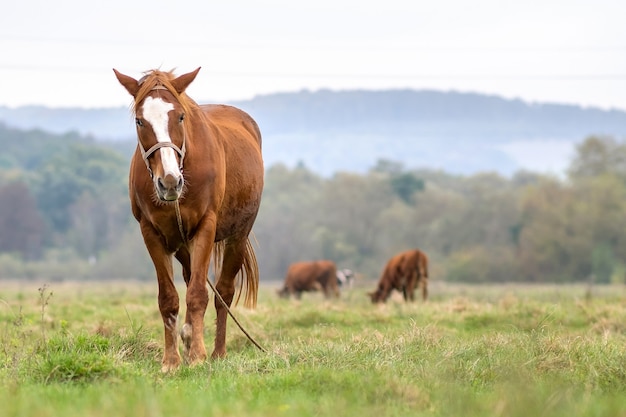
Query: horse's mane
x,y
154,78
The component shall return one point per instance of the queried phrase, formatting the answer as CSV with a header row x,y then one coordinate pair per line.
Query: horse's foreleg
x,y
168,305
197,296
194,351
192,332
168,297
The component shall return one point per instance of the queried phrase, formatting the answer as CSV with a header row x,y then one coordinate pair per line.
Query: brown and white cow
x,y
345,277
311,276
403,272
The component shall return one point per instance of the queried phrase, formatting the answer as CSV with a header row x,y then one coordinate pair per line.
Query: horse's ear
x,y
130,84
182,82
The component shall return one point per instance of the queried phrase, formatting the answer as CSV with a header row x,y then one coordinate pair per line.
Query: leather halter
x,y
180,151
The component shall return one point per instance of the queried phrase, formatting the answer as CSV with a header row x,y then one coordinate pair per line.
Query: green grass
x,y
94,350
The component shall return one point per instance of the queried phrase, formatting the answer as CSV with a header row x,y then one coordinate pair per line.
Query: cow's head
x,y
283,292
377,296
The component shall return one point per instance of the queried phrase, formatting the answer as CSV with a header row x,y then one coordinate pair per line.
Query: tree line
x,y
64,214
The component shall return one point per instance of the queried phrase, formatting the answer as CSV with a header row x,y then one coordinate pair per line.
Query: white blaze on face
x,y
155,111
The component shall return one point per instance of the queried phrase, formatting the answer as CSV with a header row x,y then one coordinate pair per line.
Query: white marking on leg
x,y
171,322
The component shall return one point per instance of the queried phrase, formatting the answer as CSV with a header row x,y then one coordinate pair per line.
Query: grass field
x,y
78,349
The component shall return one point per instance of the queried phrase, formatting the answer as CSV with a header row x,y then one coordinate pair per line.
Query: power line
x,y
405,76
330,44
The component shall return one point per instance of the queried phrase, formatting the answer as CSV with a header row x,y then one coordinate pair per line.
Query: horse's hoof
x,y
195,362
218,354
195,357
170,365
166,369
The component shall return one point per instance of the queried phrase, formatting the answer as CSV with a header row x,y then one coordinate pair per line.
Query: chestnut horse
x,y
207,211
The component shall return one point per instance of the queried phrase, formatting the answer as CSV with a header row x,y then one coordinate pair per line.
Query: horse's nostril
x,y
180,183
160,184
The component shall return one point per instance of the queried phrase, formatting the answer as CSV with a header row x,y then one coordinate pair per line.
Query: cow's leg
x,y
424,285
316,286
411,290
168,297
413,281
423,276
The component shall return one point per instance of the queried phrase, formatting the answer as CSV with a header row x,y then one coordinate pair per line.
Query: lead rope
x,y
217,294
179,219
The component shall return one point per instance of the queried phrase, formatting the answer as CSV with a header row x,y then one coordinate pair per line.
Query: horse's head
x,y
160,108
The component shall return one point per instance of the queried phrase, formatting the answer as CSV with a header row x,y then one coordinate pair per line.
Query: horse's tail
x,y
247,277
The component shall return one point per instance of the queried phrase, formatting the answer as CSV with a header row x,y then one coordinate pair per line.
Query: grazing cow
x,y
345,277
403,272
311,276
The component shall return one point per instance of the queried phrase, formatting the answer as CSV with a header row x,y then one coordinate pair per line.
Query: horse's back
x,y
232,119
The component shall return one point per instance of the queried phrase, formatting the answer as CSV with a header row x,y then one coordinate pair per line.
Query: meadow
x,y
94,349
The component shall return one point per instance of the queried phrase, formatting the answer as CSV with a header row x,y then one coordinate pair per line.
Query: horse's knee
x,y
168,305
226,292
197,302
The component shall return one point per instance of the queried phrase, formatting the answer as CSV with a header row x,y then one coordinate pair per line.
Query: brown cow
x,y
311,276
403,272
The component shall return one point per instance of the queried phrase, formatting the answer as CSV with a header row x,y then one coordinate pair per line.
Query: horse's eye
x,y
181,118
139,122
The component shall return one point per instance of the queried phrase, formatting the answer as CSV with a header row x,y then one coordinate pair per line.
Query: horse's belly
x,y
236,221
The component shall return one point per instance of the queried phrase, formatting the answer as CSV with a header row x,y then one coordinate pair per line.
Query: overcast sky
x,y
60,53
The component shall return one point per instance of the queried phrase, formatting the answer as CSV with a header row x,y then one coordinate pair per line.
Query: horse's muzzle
x,y
169,188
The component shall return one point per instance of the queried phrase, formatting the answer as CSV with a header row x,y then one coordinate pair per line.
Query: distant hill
x,y
350,130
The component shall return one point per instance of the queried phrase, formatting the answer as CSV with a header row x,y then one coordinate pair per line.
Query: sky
x,y
60,53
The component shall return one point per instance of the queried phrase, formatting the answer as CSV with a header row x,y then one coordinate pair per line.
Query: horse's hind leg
x,y
234,253
184,258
